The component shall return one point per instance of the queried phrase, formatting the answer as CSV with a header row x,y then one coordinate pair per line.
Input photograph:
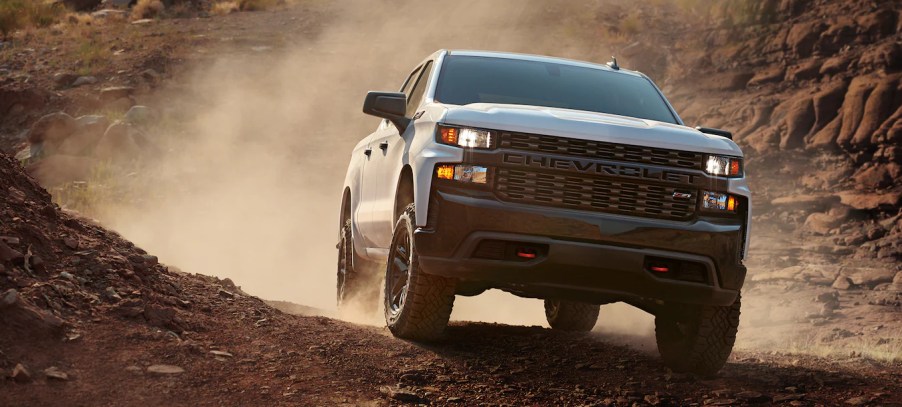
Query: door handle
x,y
367,152
383,145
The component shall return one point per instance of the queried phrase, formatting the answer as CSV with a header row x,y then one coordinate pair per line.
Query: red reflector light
x,y
526,254
660,269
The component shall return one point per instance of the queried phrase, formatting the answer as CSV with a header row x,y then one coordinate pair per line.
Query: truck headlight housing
x,y
473,174
723,166
719,202
465,137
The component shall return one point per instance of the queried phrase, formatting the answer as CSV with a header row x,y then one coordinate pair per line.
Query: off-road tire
x,y
422,309
699,342
571,315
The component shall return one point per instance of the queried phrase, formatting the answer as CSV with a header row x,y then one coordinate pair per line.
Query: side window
x,y
416,96
411,80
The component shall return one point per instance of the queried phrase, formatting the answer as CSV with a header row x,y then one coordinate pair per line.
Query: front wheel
x,y
699,341
571,315
417,305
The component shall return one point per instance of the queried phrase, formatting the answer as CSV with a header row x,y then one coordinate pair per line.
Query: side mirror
x,y
388,105
716,132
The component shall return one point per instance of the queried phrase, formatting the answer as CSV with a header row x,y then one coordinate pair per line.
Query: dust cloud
x,y
250,190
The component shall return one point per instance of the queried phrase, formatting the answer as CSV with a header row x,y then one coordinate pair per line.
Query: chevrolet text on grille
x,y
600,167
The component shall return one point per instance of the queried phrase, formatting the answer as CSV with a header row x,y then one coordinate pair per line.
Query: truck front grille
x,y
590,193
600,150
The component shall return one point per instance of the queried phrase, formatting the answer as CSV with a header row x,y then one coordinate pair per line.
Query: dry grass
x,y
147,9
20,14
224,7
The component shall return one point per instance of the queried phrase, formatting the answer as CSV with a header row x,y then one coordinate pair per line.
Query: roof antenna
x,y
613,63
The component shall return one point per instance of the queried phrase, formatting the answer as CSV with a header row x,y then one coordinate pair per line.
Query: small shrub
x,y
631,25
224,7
147,9
255,5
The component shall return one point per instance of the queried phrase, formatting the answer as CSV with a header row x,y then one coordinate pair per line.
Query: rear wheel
x,y
417,305
699,341
352,283
571,315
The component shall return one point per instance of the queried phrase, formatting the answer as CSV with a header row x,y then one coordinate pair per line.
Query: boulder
x,y
24,321
827,103
876,176
54,127
853,108
871,201
887,56
878,107
140,115
806,202
771,74
823,222
840,33
878,24
802,37
88,131
804,71
799,120
117,143
61,169
826,137
834,65
870,277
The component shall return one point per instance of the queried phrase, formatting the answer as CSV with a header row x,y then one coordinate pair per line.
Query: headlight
x,y
723,166
464,173
719,202
465,137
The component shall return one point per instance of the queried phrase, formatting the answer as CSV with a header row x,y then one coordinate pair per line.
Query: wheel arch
x,y
404,191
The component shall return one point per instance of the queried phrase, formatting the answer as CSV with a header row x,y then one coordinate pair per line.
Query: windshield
x,y
468,79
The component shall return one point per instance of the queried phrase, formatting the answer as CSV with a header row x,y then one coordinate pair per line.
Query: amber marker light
x,y
444,171
734,168
731,204
449,135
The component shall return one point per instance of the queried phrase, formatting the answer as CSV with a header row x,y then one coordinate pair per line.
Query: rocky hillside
x,y
813,94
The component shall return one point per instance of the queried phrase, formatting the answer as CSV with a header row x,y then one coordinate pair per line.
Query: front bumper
x,y
582,256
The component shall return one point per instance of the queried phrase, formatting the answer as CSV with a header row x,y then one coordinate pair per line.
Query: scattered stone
x,y
20,374
84,80
54,373
221,353
111,294
71,243
842,283
8,254
402,395
165,369
64,79
753,397
225,294
858,401
114,93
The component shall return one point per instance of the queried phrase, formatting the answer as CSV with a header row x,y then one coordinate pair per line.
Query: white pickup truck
x,y
572,182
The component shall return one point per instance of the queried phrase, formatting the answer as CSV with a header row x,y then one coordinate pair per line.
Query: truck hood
x,y
588,126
